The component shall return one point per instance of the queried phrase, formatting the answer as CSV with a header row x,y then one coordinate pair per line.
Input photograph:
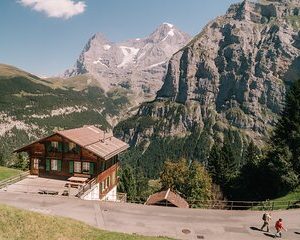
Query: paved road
x,y
157,221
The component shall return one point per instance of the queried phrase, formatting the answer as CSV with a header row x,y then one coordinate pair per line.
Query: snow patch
x,y
170,33
129,55
99,62
106,47
169,24
156,64
141,55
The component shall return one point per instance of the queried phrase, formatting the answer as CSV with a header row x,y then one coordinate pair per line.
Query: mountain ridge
x,y
137,65
227,84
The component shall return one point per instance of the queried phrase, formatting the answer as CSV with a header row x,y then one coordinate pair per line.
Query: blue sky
x,y
47,45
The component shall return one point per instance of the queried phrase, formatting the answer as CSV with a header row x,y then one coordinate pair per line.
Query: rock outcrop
x,y
232,76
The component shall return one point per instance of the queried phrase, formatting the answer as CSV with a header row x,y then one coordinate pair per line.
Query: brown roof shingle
x,y
169,196
100,143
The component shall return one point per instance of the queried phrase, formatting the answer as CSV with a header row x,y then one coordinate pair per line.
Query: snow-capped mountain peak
x,y
138,63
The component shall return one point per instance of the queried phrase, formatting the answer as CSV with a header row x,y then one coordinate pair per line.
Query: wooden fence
x,y
6,182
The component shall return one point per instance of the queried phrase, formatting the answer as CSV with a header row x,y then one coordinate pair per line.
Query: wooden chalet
x,y
82,152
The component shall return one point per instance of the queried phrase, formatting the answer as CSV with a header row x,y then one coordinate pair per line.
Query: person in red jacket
x,y
279,227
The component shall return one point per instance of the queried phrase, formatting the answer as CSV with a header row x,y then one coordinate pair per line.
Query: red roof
x,y
102,144
169,196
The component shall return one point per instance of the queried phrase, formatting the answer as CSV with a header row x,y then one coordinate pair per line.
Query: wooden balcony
x,y
56,155
108,172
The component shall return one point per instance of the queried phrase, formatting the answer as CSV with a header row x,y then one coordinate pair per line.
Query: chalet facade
x,y
83,152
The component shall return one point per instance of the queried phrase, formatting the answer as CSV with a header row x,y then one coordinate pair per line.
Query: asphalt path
x,y
158,221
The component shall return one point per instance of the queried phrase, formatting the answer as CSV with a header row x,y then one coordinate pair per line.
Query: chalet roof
x,y
102,144
169,196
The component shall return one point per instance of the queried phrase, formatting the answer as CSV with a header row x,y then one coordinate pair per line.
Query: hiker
x,y
279,227
266,218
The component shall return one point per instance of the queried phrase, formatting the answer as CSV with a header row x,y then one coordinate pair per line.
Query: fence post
x,y
289,203
272,206
69,190
231,205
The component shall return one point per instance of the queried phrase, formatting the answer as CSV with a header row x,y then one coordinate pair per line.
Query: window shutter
x,y
71,167
77,149
66,147
47,165
59,146
59,162
48,146
92,168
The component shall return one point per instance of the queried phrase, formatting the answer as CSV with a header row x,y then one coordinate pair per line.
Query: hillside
x,y
227,85
8,172
24,225
31,107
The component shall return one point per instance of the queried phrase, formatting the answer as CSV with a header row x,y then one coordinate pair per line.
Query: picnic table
x,y
78,179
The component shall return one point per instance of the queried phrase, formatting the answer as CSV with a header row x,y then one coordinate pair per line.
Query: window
x,y
35,163
53,165
77,167
54,145
86,167
113,178
108,182
72,146
102,186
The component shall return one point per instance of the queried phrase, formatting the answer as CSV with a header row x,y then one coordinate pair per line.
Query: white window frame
x,y
54,165
108,181
54,144
102,187
86,166
35,163
77,166
72,146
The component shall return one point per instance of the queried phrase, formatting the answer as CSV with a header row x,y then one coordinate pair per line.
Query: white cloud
x,y
56,8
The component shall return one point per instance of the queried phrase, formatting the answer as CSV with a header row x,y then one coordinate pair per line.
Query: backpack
x,y
264,217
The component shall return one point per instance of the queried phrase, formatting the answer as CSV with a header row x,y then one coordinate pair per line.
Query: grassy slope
x,y
24,96
284,202
292,196
25,225
8,172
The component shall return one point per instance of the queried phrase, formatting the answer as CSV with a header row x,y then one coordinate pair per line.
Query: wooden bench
x,y
50,192
73,184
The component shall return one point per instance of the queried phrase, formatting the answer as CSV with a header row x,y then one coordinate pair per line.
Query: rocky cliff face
x,y
138,65
232,77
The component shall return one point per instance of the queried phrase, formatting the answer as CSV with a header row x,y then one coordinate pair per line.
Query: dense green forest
x,y
252,174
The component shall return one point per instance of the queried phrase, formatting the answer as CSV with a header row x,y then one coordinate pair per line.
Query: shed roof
x,y
169,196
100,143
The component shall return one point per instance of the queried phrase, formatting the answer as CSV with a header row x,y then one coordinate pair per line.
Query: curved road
x,y
158,221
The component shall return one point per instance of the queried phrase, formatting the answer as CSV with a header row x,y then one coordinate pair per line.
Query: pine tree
x,y
287,131
128,182
222,165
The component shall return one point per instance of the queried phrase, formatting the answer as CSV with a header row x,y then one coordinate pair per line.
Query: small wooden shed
x,y
167,198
